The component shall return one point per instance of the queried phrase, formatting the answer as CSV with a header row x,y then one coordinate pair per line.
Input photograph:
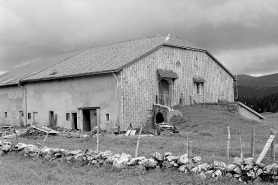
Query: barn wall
x,y
67,95
11,101
139,81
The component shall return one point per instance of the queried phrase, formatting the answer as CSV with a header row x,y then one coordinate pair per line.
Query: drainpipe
x,y
25,100
119,104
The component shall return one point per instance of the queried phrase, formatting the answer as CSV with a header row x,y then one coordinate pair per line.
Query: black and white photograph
x,y
126,92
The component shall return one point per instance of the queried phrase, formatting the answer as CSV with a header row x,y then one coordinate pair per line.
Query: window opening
x,y
107,117
29,115
6,114
67,116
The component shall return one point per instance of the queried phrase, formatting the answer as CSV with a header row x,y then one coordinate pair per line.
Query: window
x,y
107,117
199,88
6,114
67,116
29,115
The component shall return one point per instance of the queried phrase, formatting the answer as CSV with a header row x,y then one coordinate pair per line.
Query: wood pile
x,y
244,170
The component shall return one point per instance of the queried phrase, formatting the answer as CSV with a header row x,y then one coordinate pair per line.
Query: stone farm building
x,y
114,85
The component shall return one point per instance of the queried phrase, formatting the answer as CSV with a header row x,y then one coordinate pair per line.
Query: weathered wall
x,y
11,101
67,95
139,81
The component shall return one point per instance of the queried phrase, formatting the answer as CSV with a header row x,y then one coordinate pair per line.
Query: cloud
x,y
256,61
33,29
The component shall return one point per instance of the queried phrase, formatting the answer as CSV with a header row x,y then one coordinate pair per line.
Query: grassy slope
x,y
206,127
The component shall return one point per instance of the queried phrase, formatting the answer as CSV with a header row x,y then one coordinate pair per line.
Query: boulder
x,y
157,156
182,168
230,167
135,161
196,159
249,161
6,148
183,159
238,161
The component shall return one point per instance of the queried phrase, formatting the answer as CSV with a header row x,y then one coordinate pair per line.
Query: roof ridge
x,y
127,41
77,53
196,47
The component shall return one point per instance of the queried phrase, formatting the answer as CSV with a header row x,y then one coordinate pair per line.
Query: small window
x,y
67,116
199,88
107,117
178,64
29,115
6,114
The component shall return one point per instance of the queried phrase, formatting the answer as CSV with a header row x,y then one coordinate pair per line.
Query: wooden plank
x,y
45,129
127,133
266,147
132,133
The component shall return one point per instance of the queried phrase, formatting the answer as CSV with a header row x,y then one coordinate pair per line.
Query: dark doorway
x,y
159,118
86,120
164,92
74,120
51,119
21,118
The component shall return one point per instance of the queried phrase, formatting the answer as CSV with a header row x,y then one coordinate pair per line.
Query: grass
x,y
205,127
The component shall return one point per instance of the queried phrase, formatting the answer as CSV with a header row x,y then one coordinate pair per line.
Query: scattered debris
x,y
167,127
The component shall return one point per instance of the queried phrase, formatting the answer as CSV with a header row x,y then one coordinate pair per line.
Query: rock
x,y
249,161
230,167
201,176
157,156
236,175
19,146
183,159
6,148
195,169
196,159
237,170
182,168
31,149
229,175
172,158
135,161
122,161
260,165
204,166
248,167
75,152
259,172
218,165
151,163
209,173
216,174
238,161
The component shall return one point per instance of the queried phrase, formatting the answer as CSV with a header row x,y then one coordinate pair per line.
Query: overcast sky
x,y
241,34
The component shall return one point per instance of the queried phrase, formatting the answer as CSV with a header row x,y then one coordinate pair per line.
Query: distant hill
x,y
249,86
261,81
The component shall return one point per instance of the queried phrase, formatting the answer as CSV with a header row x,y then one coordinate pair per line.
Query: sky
x,y
241,34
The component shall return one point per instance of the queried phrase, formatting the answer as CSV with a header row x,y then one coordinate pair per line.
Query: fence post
x,y
228,144
272,147
138,140
241,152
252,142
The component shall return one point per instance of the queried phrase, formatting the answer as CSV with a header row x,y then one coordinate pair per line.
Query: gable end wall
x,y
139,82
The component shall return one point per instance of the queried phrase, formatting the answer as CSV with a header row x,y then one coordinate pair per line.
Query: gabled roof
x,y
14,76
107,58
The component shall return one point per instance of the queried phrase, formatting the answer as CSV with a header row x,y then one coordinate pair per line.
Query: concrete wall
x,y
67,95
139,81
248,114
11,101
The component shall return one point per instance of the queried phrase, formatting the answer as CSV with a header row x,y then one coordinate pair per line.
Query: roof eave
x,y
66,76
